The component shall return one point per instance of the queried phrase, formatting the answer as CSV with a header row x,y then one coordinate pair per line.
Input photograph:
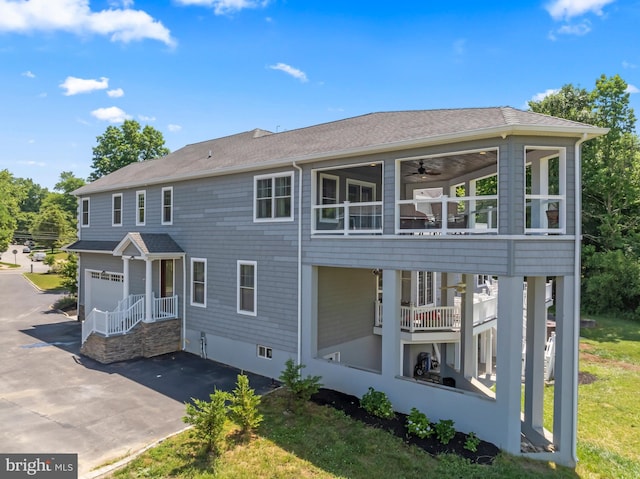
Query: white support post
x,y
534,368
566,372
467,343
125,273
392,294
489,353
148,291
509,362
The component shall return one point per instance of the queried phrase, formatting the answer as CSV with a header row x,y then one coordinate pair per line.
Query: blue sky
x,y
202,69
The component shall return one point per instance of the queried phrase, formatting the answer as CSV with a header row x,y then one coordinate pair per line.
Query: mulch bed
x,y
350,405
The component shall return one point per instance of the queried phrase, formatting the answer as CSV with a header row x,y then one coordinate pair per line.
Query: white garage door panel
x,y
104,290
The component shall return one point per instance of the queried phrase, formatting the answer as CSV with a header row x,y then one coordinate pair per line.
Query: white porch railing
x,y
129,312
434,318
348,218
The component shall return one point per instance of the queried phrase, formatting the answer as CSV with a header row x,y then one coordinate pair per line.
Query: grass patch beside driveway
x,y
49,282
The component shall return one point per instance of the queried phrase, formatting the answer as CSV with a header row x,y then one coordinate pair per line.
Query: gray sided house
x,y
415,252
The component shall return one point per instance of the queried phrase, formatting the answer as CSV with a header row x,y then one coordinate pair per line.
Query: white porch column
x,y
489,352
392,294
148,291
534,368
468,361
509,362
565,396
125,272
539,186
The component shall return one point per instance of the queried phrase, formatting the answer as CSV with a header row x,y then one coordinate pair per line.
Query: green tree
x,y
69,274
67,184
243,407
52,226
121,146
208,418
9,208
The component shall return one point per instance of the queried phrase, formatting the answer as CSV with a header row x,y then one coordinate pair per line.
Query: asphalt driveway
x,y
53,400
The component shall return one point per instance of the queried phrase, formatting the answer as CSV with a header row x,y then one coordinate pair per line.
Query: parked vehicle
x,y
38,256
26,249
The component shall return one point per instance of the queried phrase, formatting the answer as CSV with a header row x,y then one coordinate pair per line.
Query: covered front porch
x,y
133,304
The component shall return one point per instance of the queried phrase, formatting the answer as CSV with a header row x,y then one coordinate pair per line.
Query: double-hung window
x,y
116,216
167,205
247,273
273,197
199,282
84,212
141,203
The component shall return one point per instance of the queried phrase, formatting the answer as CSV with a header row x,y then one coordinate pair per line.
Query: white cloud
x,y
112,114
74,85
544,94
32,163
115,93
626,64
223,7
288,69
174,128
146,118
76,16
28,74
566,9
632,89
579,29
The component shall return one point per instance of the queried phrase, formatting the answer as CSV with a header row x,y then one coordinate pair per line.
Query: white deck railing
x,y
129,312
436,318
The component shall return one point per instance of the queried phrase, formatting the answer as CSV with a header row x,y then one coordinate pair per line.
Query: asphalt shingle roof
x,y
259,148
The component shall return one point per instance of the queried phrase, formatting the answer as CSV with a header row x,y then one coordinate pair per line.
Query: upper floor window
x,y
116,216
167,205
141,203
198,282
247,287
273,195
84,212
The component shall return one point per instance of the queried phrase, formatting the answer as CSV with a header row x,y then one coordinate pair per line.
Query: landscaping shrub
x,y
377,403
243,406
418,424
445,430
300,388
208,418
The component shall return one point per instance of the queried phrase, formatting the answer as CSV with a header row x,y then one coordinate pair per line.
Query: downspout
x,y
184,302
576,289
299,359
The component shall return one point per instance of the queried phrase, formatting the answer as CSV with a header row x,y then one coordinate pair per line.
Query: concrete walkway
x,y
53,400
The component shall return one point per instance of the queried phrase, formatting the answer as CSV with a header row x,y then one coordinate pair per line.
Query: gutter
x,y
576,293
184,302
299,262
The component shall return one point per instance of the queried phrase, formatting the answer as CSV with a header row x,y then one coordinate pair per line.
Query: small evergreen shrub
x,y
377,404
243,406
418,424
300,388
445,431
208,418
472,442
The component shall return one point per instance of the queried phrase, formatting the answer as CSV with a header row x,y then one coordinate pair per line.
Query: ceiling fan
x,y
422,172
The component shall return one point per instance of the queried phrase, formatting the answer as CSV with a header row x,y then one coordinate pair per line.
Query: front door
x,y
166,278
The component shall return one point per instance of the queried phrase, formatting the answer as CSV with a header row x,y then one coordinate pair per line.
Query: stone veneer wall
x,y
144,341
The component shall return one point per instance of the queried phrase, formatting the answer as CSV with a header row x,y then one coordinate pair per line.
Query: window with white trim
x,y
329,195
247,287
84,212
141,203
116,210
265,352
273,195
167,205
199,282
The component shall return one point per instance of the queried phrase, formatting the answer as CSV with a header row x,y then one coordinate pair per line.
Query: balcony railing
x,y
463,214
348,218
545,214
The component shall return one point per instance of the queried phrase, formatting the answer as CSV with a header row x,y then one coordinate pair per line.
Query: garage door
x,y
104,290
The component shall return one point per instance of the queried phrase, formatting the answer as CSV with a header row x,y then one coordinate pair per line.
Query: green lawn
x,y
45,281
324,443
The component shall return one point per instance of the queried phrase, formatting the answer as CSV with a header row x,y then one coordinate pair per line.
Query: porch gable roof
x,y
150,245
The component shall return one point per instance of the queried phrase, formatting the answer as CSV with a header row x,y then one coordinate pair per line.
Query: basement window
x,y
265,352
